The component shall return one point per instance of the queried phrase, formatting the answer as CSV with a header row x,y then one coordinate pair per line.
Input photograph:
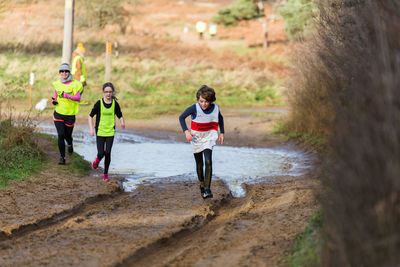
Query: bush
x,y
298,16
350,69
311,110
99,13
239,10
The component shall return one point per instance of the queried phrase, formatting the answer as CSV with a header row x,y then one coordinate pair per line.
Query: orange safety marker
x,y
108,48
108,61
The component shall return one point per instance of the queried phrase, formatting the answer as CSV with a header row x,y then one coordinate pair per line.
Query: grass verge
x,y
306,249
19,155
315,142
78,165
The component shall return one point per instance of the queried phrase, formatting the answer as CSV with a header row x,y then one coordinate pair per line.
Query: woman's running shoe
x,y
201,190
95,163
61,161
105,177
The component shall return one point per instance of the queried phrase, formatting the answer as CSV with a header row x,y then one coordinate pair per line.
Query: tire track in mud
x,y
106,231
163,252
59,217
253,230
141,256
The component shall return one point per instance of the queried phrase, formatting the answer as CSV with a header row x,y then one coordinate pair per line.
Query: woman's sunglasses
x,y
61,71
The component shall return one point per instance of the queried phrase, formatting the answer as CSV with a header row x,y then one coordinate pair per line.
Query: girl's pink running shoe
x,y
105,177
95,163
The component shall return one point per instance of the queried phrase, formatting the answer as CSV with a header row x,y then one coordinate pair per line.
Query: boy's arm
x,y
221,138
189,111
221,128
221,123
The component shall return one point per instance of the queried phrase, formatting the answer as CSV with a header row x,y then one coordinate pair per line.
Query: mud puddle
x,y
144,160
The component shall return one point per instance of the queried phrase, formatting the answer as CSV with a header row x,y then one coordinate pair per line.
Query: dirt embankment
x,y
58,218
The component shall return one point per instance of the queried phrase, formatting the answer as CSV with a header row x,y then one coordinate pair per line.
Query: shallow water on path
x,y
144,160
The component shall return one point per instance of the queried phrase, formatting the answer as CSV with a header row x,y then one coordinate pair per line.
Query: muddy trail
x,y
59,218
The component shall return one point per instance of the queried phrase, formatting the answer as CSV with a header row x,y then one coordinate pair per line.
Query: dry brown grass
x,y
310,106
25,30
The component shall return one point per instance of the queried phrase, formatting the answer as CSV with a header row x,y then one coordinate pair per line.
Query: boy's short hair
x,y
207,93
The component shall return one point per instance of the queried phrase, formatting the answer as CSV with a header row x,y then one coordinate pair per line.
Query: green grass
x,y
19,156
17,166
78,165
306,249
316,142
145,88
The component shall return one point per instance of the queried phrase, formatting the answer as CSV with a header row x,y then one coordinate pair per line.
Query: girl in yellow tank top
x,y
105,111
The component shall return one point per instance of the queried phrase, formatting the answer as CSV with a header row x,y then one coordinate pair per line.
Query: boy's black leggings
x,y
205,181
104,145
65,126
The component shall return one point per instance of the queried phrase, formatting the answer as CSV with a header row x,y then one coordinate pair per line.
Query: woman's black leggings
x,y
104,145
205,181
65,126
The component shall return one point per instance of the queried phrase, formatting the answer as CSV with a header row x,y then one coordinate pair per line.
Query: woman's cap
x,y
65,66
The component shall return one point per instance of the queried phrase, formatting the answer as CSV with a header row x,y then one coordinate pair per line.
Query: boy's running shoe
x,y
61,161
105,177
207,194
95,163
201,190
70,149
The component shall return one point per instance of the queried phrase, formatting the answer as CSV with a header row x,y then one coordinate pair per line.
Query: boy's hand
x,y
221,139
123,125
189,136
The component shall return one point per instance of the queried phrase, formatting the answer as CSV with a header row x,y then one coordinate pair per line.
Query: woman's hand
x,y
221,139
189,136
91,133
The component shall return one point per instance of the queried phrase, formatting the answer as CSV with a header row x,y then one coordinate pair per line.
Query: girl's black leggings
x,y
104,145
205,180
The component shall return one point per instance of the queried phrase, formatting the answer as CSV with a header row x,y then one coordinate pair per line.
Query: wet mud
x,y
58,218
